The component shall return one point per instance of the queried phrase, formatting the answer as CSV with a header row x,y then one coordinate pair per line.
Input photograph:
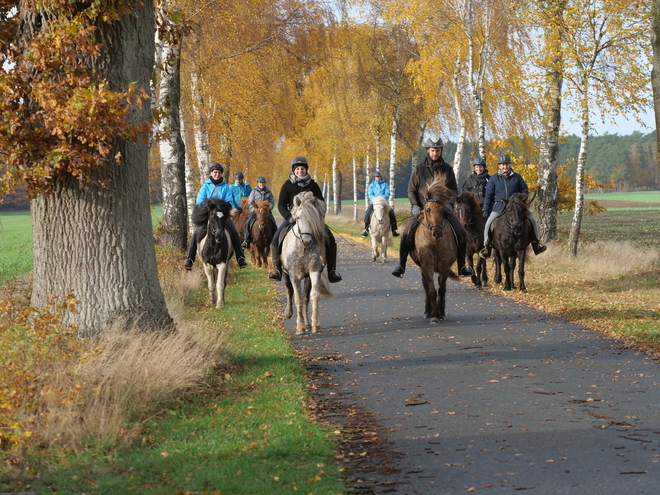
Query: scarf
x,y
301,181
217,182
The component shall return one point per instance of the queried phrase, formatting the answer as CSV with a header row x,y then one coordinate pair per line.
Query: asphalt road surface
x,y
497,398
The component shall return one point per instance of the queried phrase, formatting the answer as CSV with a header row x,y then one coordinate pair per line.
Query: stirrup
x,y
466,271
485,253
333,276
242,262
365,233
399,271
188,264
245,244
275,274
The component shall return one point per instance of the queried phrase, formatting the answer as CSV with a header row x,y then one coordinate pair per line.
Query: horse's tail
x,y
324,285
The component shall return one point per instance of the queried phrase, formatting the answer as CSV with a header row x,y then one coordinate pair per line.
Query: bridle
x,y
430,227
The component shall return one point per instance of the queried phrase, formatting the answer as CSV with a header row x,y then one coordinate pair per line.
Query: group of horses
x,y
303,248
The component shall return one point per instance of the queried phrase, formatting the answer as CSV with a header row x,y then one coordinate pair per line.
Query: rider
x,y
215,187
476,182
259,193
378,187
239,190
420,180
501,186
299,181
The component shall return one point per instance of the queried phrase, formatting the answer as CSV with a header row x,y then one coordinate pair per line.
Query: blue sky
x,y
623,126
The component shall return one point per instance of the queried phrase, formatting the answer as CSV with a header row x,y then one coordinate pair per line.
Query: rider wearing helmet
x,y
420,180
215,187
476,182
239,190
259,193
501,186
300,181
378,187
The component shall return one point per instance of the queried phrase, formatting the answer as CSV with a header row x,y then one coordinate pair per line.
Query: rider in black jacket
x,y
476,182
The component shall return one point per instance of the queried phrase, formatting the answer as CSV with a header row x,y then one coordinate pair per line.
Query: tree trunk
x,y
548,189
202,146
355,193
367,176
335,198
579,177
190,177
655,73
461,121
172,149
393,134
95,242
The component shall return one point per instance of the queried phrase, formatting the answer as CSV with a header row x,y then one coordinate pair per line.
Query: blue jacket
x,y
378,188
209,190
239,192
501,187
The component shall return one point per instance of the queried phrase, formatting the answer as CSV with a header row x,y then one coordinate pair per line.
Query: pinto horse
x,y
469,213
262,234
435,249
379,228
215,247
241,217
303,259
512,233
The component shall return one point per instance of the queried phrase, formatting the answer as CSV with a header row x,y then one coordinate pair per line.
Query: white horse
x,y
215,247
379,228
303,259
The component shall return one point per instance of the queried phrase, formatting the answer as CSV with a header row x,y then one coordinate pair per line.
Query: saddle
x,y
283,234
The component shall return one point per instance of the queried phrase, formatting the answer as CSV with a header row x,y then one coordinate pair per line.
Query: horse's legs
x,y
383,246
509,270
313,298
288,310
469,258
481,271
430,303
374,247
498,266
521,270
211,275
301,309
442,291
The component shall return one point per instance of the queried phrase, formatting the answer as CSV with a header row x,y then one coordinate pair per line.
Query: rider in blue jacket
x,y
215,187
378,187
239,190
501,186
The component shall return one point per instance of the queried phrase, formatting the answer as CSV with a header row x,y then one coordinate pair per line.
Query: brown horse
x,y
512,233
469,213
435,249
262,234
239,220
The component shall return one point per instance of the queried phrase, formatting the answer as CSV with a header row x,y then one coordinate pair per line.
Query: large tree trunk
x,y
355,193
548,189
190,176
655,73
461,121
202,146
95,242
335,188
393,135
367,177
172,149
579,177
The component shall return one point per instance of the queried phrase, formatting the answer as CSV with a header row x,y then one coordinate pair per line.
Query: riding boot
x,y
276,272
461,243
236,244
365,232
393,224
192,251
538,248
403,258
331,254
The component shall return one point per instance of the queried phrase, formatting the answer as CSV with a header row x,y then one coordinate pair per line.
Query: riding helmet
x,y
239,175
479,161
298,161
430,143
504,159
216,166
261,178
378,174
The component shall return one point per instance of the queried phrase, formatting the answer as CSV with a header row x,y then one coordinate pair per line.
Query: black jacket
x,y
476,184
290,190
422,177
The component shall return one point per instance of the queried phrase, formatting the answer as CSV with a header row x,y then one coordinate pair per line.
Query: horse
x,y
435,249
241,217
469,213
262,234
512,233
379,228
215,247
303,259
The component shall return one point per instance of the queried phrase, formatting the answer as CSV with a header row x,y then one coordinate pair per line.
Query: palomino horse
x,y
435,249
303,258
215,247
469,213
512,233
239,220
379,228
262,234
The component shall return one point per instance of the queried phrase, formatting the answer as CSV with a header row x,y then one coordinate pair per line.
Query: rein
x,y
428,225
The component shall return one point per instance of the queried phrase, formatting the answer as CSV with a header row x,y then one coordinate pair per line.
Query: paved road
x,y
496,398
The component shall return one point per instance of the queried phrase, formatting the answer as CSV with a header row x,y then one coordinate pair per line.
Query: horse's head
x,y
515,212
309,226
219,211
434,218
381,208
261,212
467,207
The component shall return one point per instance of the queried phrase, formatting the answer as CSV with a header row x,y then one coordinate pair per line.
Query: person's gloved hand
x,y
449,207
486,214
292,220
416,210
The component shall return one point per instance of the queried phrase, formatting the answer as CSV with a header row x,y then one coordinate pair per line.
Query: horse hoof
x,y
435,321
484,284
426,316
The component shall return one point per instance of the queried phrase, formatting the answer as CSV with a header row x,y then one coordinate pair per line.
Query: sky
x,y
623,126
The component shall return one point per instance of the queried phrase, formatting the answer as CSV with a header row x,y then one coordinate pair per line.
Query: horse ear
x,y
297,201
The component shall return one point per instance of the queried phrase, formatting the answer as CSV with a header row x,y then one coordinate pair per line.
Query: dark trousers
x,y
330,247
200,233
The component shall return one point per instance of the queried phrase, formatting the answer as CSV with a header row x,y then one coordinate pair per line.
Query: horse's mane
x,y
262,204
308,211
438,191
382,201
244,202
200,214
471,200
520,200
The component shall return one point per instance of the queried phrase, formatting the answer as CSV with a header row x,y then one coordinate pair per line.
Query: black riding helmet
x,y
299,161
216,166
239,175
378,174
479,161
504,159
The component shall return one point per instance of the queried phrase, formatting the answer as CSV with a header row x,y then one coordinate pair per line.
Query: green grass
x,y
637,196
16,242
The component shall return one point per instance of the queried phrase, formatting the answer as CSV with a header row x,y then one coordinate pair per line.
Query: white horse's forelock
x,y
306,211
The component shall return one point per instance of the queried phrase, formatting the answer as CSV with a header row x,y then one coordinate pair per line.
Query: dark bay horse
x,y
215,247
239,220
512,234
262,234
469,213
435,249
